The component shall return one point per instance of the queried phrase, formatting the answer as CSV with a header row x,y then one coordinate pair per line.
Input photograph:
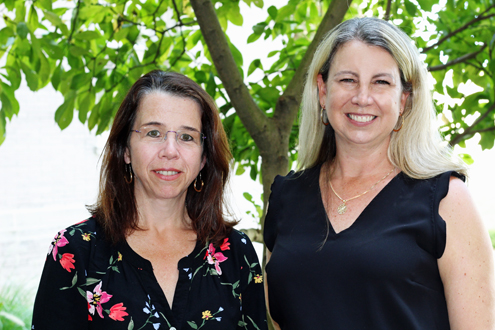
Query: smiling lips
x,y
361,119
167,172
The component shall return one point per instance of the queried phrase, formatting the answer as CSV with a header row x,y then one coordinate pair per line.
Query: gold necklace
x,y
342,207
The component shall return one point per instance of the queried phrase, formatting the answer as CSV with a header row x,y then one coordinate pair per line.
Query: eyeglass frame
x,y
202,136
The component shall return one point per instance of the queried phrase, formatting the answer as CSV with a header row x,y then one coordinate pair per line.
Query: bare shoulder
x,y
467,265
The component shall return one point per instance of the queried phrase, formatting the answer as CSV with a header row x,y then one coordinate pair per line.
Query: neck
x,y
364,163
162,215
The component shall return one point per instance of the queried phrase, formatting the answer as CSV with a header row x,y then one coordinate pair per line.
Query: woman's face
x,y
164,169
363,95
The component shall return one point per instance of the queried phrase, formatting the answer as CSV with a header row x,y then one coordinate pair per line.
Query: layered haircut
x,y
418,148
116,209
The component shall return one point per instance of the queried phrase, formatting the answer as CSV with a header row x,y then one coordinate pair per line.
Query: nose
x,y
362,97
169,146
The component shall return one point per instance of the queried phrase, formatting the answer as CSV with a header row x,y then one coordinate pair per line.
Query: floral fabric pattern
x,y
88,283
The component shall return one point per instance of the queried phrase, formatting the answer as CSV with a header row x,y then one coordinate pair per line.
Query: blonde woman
x,y
377,229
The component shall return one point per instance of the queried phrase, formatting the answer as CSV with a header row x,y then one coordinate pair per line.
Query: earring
x,y
128,171
401,123
195,183
322,115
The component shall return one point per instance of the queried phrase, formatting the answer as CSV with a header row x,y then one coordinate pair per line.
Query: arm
x,y
467,265
275,324
252,296
59,304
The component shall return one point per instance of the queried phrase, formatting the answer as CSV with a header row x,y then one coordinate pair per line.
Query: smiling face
x,y
164,170
363,95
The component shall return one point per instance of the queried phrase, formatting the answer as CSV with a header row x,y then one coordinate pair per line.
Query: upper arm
x,y
467,265
59,304
275,324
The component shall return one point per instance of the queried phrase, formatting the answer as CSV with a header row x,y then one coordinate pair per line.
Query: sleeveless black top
x,y
380,273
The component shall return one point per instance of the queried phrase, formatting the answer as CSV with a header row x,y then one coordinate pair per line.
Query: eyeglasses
x,y
186,138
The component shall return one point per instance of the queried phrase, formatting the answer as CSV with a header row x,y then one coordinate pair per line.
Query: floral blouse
x,y
89,284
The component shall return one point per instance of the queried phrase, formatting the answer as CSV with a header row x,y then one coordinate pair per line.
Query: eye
x,y
347,80
382,82
154,133
185,137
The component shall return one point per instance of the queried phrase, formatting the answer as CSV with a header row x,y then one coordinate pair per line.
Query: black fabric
x,y
88,284
381,273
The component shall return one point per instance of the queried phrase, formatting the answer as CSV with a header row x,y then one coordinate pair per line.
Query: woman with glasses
x,y
157,252
377,229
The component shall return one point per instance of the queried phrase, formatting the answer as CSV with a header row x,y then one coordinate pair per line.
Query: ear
x,y
203,162
322,89
127,156
403,100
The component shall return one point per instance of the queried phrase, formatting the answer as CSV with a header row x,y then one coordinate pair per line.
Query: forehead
x,y
357,55
169,110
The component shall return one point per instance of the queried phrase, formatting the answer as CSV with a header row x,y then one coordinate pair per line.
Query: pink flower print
x,y
57,242
225,245
68,261
215,258
96,298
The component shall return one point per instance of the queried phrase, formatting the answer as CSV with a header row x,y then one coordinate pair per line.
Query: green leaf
x,y
52,18
254,65
426,5
31,77
65,112
22,30
236,54
273,11
410,7
80,80
87,101
467,159
253,37
192,324
45,4
77,51
32,19
211,86
3,124
87,35
248,196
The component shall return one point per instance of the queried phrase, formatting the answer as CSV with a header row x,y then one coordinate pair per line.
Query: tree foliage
x,y
92,51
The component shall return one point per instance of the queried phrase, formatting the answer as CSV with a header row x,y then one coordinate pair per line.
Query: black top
x,y
89,284
380,273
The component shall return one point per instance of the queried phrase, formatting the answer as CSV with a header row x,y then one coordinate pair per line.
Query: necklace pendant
x,y
342,208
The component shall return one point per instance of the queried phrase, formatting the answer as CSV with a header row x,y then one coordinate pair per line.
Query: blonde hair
x,y
417,149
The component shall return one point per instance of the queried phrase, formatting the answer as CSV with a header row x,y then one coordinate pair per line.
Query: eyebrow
x,y
183,127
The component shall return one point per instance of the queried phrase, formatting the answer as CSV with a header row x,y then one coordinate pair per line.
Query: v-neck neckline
x,y
321,204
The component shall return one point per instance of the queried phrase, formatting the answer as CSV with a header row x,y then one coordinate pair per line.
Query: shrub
x,y
16,308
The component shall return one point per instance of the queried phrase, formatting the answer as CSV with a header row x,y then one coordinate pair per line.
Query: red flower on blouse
x,y
225,245
68,261
117,312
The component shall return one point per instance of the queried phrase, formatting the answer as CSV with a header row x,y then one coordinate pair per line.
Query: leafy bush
x,y
16,308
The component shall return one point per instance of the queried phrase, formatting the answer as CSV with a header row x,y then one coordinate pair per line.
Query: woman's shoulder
x,y
307,177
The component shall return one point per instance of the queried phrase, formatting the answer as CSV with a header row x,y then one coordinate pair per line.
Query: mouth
x,y
167,172
361,118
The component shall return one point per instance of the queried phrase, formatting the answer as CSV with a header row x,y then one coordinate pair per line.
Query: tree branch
x,y
74,21
293,92
462,28
251,115
387,11
470,130
461,59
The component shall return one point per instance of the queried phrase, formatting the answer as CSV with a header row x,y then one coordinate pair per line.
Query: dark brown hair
x,y
116,208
